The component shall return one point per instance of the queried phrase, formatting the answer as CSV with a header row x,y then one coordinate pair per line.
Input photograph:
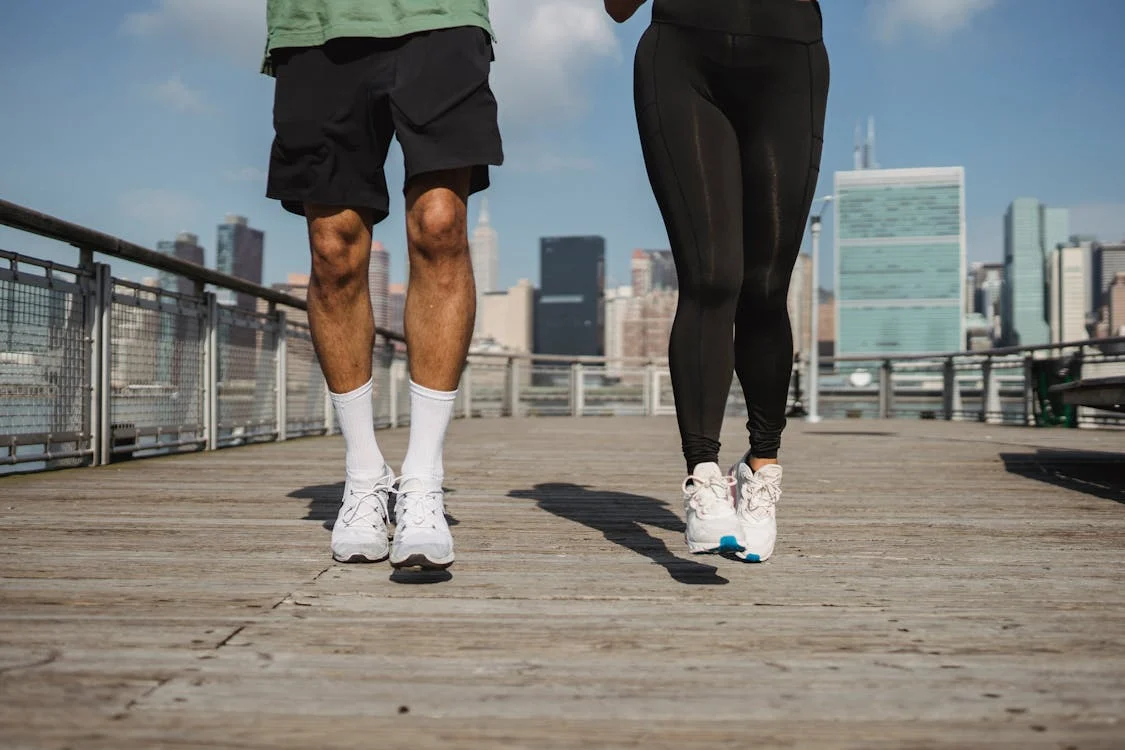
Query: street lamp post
x,y
814,348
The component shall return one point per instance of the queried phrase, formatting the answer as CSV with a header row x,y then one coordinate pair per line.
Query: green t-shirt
x,y
310,23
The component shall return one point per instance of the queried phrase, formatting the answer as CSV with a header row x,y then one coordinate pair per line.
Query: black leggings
x,y
732,128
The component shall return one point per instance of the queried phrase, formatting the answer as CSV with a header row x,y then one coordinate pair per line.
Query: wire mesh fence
x,y
247,375
156,376
44,370
304,387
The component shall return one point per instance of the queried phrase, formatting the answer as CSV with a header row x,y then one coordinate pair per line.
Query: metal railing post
x,y
948,388
101,427
211,370
986,377
578,390
886,390
1028,391
329,410
467,390
513,387
646,389
281,356
392,395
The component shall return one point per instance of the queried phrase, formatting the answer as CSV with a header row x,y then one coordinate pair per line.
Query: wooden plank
x,y
935,585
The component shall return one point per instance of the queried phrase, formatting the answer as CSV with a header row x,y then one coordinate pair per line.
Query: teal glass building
x,y
1031,231
900,261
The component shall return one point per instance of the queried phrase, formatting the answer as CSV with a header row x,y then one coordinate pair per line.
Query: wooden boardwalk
x,y
935,585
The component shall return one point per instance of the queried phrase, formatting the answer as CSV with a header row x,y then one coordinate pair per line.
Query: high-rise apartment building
x,y
900,261
185,247
648,323
1067,293
653,270
238,252
1108,261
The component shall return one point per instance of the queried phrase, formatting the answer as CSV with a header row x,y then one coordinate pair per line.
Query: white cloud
x,y
175,94
245,174
545,51
159,207
235,29
893,19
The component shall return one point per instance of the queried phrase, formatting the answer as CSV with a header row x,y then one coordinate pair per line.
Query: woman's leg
x,y
692,156
781,136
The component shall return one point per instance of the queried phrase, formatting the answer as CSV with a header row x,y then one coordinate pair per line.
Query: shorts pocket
x,y
438,71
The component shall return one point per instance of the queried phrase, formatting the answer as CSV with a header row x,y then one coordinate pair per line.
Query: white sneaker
x,y
422,538
360,531
756,503
711,522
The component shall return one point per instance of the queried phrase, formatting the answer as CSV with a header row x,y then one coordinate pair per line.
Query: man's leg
x,y
343,332
440,310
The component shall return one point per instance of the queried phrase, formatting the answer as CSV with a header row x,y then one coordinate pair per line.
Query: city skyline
x,y
181,139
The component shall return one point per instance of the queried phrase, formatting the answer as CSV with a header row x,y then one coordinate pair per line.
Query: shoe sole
x,y
421,561
359,558
728,545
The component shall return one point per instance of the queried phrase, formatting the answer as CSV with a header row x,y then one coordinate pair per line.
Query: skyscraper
x,y
484,247
1031,230
185,247
986,285
1067,293
238,253
378,280
569,314
1108,261
900,261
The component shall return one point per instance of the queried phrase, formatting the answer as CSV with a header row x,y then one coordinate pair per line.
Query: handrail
x,y
998,352
84,238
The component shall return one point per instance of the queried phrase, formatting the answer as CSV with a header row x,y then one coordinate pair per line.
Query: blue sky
x,y
143,118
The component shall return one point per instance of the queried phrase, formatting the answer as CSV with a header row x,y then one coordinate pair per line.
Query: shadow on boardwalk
x,y
1095,473
621,518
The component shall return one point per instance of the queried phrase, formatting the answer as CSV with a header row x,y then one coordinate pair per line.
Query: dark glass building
x,y
570,307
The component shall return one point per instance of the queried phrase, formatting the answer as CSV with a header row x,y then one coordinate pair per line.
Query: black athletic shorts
x,y
337,106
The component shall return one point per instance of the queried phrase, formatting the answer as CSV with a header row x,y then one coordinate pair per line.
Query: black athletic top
x,y
798,20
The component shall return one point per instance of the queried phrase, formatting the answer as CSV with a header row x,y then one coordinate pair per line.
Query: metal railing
x,y
1000,386
94,368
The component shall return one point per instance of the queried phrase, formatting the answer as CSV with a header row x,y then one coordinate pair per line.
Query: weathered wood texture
x,y
935,585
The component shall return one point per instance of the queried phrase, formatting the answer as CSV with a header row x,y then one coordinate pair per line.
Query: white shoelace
x,y
419,507
761,494
367,504
707,495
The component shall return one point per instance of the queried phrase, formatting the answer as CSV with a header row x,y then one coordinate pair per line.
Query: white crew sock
x,y
430,412
354,413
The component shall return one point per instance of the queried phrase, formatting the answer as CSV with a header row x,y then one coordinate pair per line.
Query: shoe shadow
x,y
420,577
325,500
621,518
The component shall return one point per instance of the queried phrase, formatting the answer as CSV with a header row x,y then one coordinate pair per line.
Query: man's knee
x,y
436,225
339,243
